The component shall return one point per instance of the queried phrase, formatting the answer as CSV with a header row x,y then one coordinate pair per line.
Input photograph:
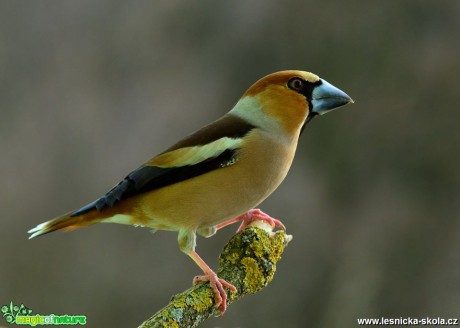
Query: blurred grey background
x,y
89,90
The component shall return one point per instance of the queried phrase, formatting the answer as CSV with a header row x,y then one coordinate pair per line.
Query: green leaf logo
x,y
12,311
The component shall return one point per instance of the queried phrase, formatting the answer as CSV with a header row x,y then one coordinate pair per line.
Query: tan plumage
x,y
218,173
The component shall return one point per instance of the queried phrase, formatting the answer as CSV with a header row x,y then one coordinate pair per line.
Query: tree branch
x,y
248,261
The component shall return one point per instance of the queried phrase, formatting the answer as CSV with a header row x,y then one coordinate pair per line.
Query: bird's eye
x,y
296,84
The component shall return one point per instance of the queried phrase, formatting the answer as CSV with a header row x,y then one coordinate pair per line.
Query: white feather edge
x,y
37,230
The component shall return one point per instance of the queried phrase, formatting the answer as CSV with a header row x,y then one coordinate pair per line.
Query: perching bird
x,y
217,175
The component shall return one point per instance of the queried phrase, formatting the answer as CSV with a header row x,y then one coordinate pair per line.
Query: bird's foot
x,y
251,216
255,215
217,284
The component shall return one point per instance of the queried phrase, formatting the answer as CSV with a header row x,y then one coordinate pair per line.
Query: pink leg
x,y
252,215
217,284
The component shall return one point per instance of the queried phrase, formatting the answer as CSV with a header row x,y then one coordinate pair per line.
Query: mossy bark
x,y
248,261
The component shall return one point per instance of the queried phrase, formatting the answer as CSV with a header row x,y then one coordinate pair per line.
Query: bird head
x,y
288,100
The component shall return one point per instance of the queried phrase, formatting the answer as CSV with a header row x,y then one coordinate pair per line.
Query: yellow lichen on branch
x,y
248,261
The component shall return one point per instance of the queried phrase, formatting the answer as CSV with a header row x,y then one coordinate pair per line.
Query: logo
x,y
22,315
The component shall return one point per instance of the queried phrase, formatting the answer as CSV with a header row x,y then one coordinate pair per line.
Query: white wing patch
x,y
196,154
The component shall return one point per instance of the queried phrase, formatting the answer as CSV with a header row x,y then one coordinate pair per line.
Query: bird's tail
x,y
65,223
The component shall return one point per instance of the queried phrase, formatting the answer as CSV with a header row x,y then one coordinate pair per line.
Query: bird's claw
x,y
217,285
255,215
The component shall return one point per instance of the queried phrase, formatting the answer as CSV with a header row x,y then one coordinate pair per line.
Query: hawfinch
x,y
217,175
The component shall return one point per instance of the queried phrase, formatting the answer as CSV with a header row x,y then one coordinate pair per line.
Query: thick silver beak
x,y
326,97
